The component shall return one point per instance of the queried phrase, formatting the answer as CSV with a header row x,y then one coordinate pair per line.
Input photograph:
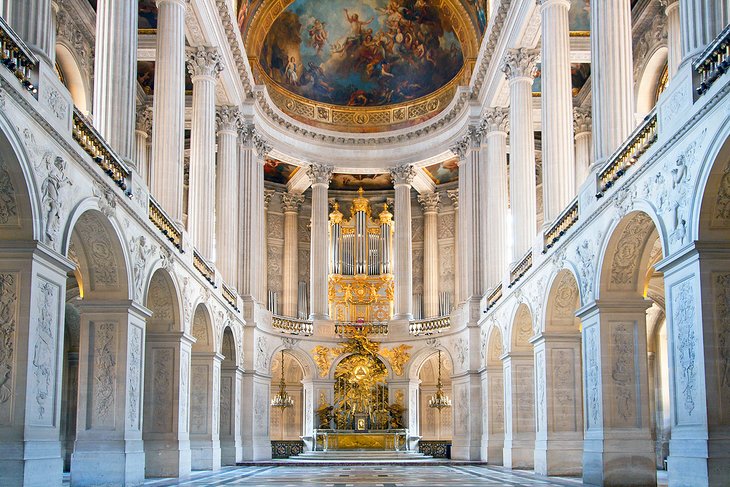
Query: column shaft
x,y
497,120
430,203
701,21
402,179
557,105
32,20
141,142
320,177
226,193
583,145
613,87
291,202
168,130
454,196
674,36
115,74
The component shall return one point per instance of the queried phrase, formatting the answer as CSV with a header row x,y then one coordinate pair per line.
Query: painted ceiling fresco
x,y
354,53
444,172
147,20
368,182
579,74
278,171
579,17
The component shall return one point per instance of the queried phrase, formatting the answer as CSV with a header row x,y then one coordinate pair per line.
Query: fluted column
x,y
204,65
495,126
701,21
674,36
226,193
453,195
519,65
268,194
115,73
558,170
402,179
143,129
291,202
612,91
32,20
320,177
430,203
168,127
583,144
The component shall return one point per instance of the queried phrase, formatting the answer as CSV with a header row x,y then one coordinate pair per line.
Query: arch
x,y
563,300
434,425
711,207
421,356
428,365
305,361
202,330
73,78
94,243
230,347
648,80
495,348
287,424
521,330
162,299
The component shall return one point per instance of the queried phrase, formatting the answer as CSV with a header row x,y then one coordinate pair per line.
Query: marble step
x,y
361,456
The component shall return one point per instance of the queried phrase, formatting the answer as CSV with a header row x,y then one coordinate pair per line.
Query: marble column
x,y
612,93
205,374
402,179
168,126
582,125
115,74
496,125
290,203
559,405
268,194
230,401
617,436
519,66
557,103
674,36
320,176
430,204
142,132
204,65
109,414
453,195
226,194
32,20
519,410
701,21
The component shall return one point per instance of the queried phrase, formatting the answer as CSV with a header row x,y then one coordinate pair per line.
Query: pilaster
x,y
519,410
291,203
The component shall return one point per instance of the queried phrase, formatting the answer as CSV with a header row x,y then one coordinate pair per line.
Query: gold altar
x,y
385,440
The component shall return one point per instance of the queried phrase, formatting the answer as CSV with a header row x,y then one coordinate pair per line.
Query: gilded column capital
x,y
227,118
430,202
203,61
144,119
520,63
404,174
582,120
320,174
453,195
496,119
291,202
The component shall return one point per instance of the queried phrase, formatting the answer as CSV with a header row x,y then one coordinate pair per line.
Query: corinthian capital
x,y
496,120
582,121
453,195
144,119
291,201
520,63
320,174
204,61
461,147
227,119
430,201
404,174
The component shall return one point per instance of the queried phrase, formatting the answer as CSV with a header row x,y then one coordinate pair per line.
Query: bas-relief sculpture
x,y
8,202
685,343
104,374
44,353
8,323
134,376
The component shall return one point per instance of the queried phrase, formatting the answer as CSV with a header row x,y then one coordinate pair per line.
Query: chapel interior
x,y
491,236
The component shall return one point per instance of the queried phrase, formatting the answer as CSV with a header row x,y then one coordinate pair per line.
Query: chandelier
x,y
282,399
439,400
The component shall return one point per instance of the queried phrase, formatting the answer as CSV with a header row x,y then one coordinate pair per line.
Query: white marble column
x,y
115,74
168,125
290,203
226,194
204,65
142,132
205,447
674,36
519,410
613,91
701,21
558,171
430,204
320,176
583,144
402,179
519,65
496,125
268,194
453,195
32,20
109,414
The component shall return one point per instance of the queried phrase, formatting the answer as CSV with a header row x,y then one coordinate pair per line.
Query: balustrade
x,y
16,56
430,326
292,326
345,328
163,222
562,224
494,296
519,270
713,62
202,266
230,296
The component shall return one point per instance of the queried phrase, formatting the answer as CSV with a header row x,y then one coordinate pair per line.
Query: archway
x,y
73,79
287,424
435,424
651,82
230,400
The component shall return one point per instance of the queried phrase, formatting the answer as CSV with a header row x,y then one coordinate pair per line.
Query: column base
x,y
624,462
559,457
103,467
36,463
519,454
403,317
167,458
205,455
258,450
691,465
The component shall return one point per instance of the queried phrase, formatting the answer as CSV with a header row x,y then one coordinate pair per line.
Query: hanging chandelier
x,y
439,400
282,399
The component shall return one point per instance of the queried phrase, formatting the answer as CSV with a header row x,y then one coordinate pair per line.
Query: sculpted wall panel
x,y
103,375
162,389
496,394
525,413
564,400
134,376
593,378
8,327
226,406
199,399
623,374
721,292
8,201
685,351
44,337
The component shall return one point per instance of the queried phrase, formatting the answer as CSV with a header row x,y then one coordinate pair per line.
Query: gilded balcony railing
x,y
345,328
640,140
93,143
292,326
494,296
230,296
202,266
429,326
16,56
562,224
713,62
158,216
519,270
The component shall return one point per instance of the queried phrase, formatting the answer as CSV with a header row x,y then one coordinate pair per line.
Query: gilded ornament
x,y
323,359
397,357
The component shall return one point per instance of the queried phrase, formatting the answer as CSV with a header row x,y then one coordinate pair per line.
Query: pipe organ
x,y
360,263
